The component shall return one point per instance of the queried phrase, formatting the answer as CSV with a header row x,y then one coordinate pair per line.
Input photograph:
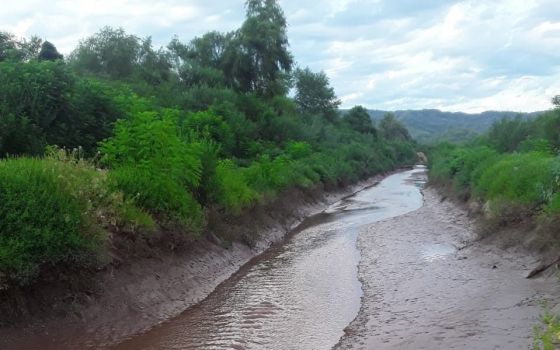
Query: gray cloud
x,y
466,55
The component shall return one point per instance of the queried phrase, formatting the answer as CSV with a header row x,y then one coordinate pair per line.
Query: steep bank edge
x,y
142,293
526,234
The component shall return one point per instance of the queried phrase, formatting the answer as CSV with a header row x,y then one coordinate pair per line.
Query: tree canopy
x,y
358,119
314,95
49,52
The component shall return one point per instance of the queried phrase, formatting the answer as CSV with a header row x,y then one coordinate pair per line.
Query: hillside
x,y
431,124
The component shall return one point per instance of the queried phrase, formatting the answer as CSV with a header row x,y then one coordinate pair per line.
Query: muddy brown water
x,y
298,295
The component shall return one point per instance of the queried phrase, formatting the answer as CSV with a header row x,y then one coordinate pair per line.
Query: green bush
x,y
298,149
158,194
526,178
547,335
151,140
41,220
43,102
52,211
234,193
156,166
518,180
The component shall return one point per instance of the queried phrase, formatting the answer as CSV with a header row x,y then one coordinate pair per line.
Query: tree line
x,y
121,138
514,168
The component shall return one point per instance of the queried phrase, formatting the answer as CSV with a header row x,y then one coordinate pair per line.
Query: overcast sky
x,y
385,54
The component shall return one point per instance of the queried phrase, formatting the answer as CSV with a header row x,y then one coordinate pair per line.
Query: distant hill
x,y
429,125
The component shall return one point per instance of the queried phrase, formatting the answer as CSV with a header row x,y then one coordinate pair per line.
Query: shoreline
x,y
142,293
431,284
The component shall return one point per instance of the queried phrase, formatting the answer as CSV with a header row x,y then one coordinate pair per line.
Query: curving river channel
x,y
298,295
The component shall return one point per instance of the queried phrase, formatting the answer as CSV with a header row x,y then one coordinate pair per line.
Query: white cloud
x,y
388,54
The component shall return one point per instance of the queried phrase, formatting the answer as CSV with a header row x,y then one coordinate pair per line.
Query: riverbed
x,y
393,266
298,295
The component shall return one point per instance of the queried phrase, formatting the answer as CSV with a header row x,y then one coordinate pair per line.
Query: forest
x,y
120,138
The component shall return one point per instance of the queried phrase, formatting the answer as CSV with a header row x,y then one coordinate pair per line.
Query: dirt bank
x,y
133,296
428,283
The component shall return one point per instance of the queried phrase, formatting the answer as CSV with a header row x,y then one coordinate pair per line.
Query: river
x,y
393,266
298,295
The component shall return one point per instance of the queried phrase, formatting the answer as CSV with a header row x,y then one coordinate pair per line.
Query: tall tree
x,y
12,49
110,51
556,101
358,119
30,48
49,52
505,135
201,61
8,46
154,67
314,95
261,57
391,129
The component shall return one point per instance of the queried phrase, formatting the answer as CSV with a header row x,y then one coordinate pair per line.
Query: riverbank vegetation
x,y
120,138
514,172
514,168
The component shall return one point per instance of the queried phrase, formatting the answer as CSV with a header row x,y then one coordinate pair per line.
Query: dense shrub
x,y
52,211
527,181
158,194
525,178
233,192
45,103
205,124
155,166
41,220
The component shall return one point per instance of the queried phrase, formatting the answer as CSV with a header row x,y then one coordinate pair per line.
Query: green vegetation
x,y
142,139
514,168
53,210
547,335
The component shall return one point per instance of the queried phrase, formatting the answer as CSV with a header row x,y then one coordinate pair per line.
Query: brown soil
x,y
141,289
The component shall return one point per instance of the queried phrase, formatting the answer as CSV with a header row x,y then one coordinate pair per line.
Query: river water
x,y
300,294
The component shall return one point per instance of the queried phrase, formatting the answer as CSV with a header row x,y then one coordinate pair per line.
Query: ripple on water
x,y
299,295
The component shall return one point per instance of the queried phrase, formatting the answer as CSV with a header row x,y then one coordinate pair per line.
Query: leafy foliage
x,y
43,103
358,119
49,52
515,164
52,211
391,129
179,131
109,52
314,95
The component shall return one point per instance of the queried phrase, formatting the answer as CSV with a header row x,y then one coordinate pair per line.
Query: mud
x,y
428,283
385,268
298,295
